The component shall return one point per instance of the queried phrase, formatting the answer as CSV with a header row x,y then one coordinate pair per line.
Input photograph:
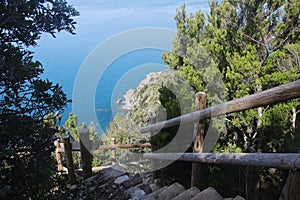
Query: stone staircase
x,y
116,184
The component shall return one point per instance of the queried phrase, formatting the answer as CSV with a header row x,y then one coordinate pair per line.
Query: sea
x,y
98,21
124,73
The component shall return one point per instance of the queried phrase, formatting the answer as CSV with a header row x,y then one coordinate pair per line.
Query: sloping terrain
x,y
114,183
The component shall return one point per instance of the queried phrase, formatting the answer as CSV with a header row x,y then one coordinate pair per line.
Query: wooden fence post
x,y
60,167
85,154
69,158
198,139
113,151
290,189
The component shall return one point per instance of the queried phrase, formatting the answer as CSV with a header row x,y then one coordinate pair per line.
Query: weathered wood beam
x,y
275,95
113,151
85,154
200,103
108,147
124,146
58,156
69,158
272,160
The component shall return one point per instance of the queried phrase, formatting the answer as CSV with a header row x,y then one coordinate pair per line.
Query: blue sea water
x,y
123,74
99,20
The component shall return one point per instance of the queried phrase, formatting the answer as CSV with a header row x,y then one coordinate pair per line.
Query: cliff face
x,y
129,98
132,97
145,99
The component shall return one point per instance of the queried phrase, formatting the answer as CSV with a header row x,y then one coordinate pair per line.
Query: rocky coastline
x,y
130,98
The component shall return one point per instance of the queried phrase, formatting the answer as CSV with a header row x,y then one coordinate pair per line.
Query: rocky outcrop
x,y
132,97
115,183
129,99
145,98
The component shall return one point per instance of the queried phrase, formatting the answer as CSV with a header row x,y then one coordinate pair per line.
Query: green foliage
x,y
229,148
23,22
71,128
25,98
145,101
173,108
250,46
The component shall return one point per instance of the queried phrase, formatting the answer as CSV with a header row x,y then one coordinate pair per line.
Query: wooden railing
x,y
283,160
275,95
86,146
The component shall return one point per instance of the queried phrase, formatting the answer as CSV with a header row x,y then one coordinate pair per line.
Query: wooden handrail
x,y
276,160
275,95
124,146
108,147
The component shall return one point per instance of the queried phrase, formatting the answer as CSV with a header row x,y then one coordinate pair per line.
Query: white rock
x,y
121,179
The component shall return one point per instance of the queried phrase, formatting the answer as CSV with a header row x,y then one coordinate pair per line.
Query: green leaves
x,y
26,135
254,46
23,22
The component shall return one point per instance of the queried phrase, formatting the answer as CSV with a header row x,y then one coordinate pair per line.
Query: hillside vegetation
x,y
239,49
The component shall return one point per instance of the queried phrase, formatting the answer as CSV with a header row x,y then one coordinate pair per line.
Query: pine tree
x,y
255,46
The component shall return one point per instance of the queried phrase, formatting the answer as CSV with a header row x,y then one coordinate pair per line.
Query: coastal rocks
x,y
118,101
133,97
129,99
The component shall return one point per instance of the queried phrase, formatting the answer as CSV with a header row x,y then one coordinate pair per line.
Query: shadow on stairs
x,y
116,184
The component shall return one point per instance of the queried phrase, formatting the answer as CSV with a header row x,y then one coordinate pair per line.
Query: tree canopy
x,y
25,98
255,46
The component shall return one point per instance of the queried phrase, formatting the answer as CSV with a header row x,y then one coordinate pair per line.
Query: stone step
x,y
187,194
115,183
236,198
208,194
154,195
171,192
